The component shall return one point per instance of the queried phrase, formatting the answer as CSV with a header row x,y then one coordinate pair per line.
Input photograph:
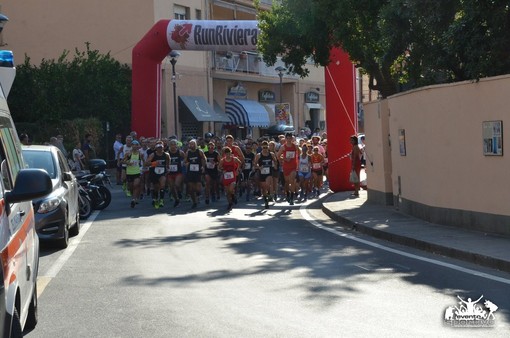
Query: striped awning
x,y
246,113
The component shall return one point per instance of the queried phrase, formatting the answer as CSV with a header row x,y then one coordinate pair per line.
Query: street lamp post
x,y
280,71
173,60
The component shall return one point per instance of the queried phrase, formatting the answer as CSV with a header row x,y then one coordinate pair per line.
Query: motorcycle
x,y
98,193
84,203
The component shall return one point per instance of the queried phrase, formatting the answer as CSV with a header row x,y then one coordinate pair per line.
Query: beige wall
x,y
444,167
44,29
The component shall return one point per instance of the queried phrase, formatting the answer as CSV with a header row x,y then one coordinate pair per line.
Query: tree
x,y
91,85
400,44
300,29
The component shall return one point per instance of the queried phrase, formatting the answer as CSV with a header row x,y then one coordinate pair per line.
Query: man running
x,y
134,161
265,162
158,162
211,173
195,168
175,176
289,153
249,156
230,165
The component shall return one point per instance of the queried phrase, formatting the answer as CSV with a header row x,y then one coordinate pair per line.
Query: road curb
x,y
480,259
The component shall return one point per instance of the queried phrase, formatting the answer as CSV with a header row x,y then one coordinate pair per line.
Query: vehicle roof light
x,y
6,58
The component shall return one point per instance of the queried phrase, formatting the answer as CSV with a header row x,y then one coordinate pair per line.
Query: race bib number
x,y
229,175
304,168
247,166
265,171
173,168
210,165
317,166
194,167
290,154
159,170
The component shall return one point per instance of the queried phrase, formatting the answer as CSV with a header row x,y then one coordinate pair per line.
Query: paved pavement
x,y
387,223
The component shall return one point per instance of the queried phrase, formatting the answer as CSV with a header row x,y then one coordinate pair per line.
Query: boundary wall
x,y
444,176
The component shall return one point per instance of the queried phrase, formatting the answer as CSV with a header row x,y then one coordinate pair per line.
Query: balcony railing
x,y
246,62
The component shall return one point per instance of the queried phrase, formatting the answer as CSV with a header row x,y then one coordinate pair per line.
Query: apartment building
x,y
229,84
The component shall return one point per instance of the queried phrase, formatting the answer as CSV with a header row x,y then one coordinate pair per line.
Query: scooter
x,y
99,195
84,202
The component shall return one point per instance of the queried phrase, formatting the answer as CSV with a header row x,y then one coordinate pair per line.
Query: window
x,y
198,14
181,12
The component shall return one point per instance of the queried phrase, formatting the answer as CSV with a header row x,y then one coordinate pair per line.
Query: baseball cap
x,y
135,143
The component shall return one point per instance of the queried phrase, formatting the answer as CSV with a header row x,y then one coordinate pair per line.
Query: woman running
x,y
229,165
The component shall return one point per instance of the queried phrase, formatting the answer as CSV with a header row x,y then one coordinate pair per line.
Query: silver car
x,y
56,215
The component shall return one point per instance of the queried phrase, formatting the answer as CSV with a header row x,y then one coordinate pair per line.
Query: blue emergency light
x,y
6,58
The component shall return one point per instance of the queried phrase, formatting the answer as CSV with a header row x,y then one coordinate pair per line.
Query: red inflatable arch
x,y
167,35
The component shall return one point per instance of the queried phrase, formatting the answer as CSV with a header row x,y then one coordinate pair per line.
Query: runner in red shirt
x,y
229,165
289,156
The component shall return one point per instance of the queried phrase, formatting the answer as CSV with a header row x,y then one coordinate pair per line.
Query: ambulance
x,y
19,245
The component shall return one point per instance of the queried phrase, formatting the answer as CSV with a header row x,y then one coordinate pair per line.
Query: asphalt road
x,y
250,273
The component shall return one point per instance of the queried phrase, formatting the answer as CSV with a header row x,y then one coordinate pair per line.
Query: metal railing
x,y
246,62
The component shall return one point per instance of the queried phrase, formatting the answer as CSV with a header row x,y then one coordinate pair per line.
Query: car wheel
x,y
32,316
75,230
64,241
16,325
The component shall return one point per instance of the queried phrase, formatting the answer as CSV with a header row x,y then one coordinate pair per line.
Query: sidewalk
x,y
386,223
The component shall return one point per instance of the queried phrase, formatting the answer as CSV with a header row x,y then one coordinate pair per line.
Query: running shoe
x,y
156,204
161,203
128,193
133,203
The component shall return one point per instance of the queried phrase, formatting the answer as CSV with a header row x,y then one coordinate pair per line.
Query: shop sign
x,y
237,90
311,97
266,96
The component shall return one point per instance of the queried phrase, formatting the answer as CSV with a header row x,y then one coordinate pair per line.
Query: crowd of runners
x,y
285,169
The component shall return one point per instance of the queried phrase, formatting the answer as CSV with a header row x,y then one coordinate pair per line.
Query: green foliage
x,y
400,44
72,96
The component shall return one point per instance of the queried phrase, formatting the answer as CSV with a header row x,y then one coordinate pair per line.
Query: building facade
x,y
246,95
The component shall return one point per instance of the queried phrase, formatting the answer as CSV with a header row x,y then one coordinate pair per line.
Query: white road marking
x,y
44,280
312,221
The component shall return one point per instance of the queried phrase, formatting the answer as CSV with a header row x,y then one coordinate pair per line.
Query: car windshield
x,y
41,160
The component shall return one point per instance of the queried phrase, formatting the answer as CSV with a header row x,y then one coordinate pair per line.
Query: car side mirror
x,y
67,176
30,184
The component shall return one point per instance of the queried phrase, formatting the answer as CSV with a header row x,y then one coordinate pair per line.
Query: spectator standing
x,y
117,145
24,139
88,149
78,157
60,145
355,163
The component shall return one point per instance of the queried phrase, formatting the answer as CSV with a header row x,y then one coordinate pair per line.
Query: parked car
x,y
57,216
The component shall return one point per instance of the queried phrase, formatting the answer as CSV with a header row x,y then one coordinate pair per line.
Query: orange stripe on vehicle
x,y
12,250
